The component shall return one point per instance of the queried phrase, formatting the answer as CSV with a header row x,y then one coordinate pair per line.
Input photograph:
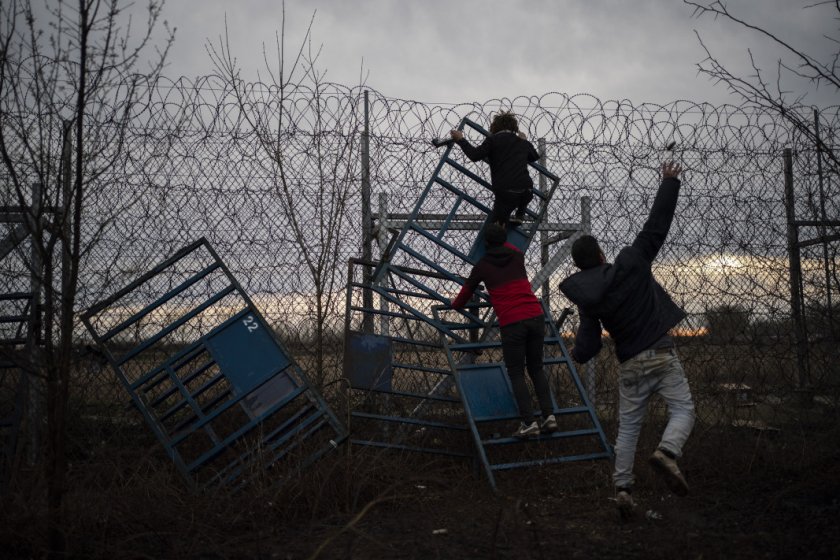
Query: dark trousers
x,y
522,343
506,202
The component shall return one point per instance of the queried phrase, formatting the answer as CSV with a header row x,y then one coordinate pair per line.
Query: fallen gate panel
x,y
205,369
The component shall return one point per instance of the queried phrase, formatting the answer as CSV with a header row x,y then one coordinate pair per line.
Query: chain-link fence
x,y
272,178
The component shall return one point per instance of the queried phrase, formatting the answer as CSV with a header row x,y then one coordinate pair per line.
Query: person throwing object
x,y
508,153
635,310
521,325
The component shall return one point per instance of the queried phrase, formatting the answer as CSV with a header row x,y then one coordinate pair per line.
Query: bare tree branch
x,y
819,72
755,89
71,68
311,152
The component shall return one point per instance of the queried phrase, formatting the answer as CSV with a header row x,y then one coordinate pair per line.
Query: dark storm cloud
x,y
452,51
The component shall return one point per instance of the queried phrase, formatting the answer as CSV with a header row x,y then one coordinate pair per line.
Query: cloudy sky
x,y
475,50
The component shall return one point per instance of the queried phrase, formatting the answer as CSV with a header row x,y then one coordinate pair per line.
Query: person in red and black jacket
x,y
508,153
521,324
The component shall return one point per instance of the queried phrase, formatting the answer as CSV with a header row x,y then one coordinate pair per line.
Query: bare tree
x,y
767,89
72,79
309,141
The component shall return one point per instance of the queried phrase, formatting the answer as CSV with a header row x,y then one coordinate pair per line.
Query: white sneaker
x,y
527,430
549,424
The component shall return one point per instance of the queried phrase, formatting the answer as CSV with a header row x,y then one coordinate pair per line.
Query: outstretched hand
x,y
456,135
671,170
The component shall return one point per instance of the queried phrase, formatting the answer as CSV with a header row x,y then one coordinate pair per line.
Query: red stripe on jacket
x,y
503,272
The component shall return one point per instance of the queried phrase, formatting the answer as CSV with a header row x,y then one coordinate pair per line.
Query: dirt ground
x,y
753,495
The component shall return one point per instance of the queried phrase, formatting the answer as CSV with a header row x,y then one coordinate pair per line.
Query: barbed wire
x,y
272,177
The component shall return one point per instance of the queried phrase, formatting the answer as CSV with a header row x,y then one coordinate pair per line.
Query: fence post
x,y
546,288
382,239
800,336
367,224
66,210
34,389
822,231
586,227
586,214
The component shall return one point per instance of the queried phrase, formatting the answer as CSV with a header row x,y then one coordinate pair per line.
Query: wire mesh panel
x,y
286,214
278,198
394,370
219,391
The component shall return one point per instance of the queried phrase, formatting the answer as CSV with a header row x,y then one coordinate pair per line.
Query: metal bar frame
x,y
203,416
552,338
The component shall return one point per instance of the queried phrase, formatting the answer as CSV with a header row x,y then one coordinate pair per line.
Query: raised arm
x,y
472,152
655,230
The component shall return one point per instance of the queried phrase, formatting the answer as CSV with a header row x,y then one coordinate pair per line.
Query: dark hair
x,y
495,235
504,121
586,252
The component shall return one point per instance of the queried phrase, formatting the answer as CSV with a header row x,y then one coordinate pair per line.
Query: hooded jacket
x,y
508,156
623,296
502,269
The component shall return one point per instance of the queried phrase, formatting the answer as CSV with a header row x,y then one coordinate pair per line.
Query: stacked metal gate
x,y
411,362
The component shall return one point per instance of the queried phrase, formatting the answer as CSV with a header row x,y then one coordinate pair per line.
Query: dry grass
x,y
764,492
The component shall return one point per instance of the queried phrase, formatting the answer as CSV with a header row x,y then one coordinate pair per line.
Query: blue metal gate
x,y
487,396
397,367
413,370
220,392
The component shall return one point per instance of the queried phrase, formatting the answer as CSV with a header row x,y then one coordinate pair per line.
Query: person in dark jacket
x,y
626,300
508,153
521,325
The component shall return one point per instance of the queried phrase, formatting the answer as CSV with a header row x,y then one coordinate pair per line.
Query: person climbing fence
x,y
508,153
521,325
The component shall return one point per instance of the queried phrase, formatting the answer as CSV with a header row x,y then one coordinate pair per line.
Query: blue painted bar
x,y
468,173
551,461
160,301
412,421
146,344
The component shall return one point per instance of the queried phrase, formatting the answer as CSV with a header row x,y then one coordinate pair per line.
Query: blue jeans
x,y
646,374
